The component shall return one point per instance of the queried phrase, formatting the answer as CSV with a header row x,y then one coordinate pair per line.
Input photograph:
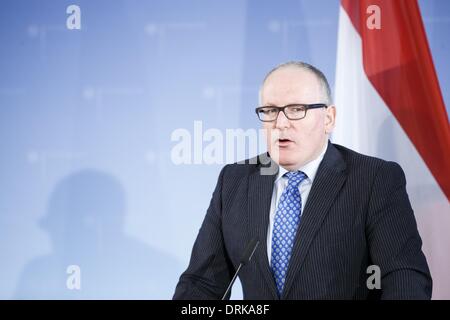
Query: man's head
x,y
293,143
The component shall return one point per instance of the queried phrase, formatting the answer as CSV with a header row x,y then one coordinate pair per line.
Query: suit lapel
x,y
259,199
329,179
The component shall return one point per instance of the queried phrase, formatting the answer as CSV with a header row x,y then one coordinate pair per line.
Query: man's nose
x,y
282,122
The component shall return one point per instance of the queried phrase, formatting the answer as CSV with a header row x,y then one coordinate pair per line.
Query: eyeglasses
x,y
291,111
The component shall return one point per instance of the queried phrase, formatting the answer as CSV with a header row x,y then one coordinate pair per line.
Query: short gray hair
x,y
305,66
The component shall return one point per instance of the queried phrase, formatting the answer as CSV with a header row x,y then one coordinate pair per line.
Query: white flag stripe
x,y
366,124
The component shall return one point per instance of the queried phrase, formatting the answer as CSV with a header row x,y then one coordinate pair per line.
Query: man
x,y
322,219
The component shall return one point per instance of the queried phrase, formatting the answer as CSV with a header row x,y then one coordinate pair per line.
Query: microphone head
x,y
249,250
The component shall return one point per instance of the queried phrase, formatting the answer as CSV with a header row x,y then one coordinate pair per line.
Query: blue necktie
x,y
287,218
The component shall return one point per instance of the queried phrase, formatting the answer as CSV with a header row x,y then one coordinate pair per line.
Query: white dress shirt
x,y
310,169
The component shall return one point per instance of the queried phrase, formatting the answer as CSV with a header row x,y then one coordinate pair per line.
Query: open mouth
x,y
284,142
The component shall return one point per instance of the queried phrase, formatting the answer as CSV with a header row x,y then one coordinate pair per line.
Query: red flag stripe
x,y
398,63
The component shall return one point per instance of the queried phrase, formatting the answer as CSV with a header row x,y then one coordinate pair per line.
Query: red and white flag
x,y
389,105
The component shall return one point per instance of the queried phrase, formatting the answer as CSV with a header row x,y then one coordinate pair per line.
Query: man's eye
x,y
299,109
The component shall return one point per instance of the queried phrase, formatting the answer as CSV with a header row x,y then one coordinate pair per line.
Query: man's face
x,y
293,143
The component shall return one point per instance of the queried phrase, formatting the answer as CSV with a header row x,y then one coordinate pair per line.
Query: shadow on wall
x,y
85,220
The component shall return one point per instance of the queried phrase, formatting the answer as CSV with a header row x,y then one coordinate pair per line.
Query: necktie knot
x,y
295,178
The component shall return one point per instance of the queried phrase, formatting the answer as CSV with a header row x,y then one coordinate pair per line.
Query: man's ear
x,y
330,118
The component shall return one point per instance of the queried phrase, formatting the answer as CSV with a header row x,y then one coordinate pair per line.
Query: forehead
x,y
291,85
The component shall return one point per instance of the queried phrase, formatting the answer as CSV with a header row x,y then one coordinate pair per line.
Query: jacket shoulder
x,y
249,165
363,163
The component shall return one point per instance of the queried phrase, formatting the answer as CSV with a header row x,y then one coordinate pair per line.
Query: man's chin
x,y
287,162
284,158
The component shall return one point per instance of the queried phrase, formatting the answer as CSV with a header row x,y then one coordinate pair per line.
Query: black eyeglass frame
x,y
306,106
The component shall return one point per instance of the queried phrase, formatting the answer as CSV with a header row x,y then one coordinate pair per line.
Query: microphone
x,y
246,257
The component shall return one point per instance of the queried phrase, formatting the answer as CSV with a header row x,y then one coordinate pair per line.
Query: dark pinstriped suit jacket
x,y
357,214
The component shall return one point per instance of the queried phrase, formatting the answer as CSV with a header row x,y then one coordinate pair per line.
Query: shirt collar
x,y
310,169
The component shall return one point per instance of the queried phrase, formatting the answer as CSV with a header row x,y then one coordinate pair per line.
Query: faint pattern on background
x,y
84,220
92,107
